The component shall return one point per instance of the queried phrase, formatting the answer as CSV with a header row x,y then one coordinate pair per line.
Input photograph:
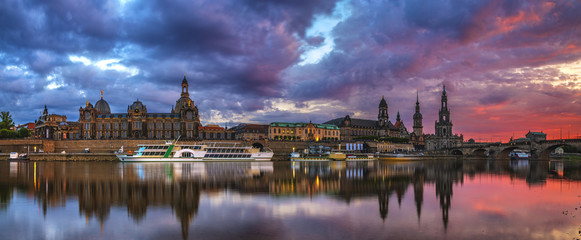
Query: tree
x,y
24,132
7,122
5,133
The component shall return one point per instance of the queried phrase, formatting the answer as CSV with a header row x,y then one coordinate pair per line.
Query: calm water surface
x,y
445,199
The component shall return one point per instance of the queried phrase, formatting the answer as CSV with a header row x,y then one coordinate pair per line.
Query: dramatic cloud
x,y
508,66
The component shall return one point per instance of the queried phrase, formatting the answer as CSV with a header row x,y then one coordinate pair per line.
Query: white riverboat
x,y
519,154
218,151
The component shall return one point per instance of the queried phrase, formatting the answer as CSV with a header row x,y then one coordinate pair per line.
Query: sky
x,y
509,66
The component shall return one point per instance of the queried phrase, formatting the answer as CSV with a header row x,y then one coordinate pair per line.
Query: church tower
x,y
444,125
382,117
418,128
188,113
185,92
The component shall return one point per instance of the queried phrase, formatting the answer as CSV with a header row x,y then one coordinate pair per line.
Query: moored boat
x,y
14,156
218,151
519,154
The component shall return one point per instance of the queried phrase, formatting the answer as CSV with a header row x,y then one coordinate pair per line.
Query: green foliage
x,y
24,132
571,149
6,122
5,133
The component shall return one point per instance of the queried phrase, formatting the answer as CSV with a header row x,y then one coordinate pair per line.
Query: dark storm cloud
x,y
60,26
181,27
472,46
233,47
298,13
240,56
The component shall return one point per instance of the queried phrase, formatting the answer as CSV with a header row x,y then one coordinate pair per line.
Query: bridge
x,y
538,150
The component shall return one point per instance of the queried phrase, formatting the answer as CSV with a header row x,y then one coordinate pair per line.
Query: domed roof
x,y
137,105
102,106
382,103
183,103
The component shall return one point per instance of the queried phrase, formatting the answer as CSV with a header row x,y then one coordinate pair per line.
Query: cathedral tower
x,y
185,92
382,117
444,125
418,128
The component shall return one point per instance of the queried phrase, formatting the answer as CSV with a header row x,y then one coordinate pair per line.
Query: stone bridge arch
x,y
545,153
457,152
503,153
492,152
479,152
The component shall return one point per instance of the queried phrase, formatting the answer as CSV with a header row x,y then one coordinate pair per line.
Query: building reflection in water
x,y
100,186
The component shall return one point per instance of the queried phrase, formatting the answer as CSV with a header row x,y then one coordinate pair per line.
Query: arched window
x,y
189,116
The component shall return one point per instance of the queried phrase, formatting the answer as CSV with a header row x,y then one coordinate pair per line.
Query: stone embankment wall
x,y
20,145
73,157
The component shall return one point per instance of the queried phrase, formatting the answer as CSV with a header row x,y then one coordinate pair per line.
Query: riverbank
x,y
112,157
103,150
568,156
67,157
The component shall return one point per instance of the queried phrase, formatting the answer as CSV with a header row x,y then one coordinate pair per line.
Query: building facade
x,y
97,122
443,138
215,132
54,126
536,136
352,128
303,131
251,131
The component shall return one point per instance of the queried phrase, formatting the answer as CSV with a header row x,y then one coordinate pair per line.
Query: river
x,y
436,199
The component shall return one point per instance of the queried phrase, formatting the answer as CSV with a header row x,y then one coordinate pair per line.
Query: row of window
x,y
160,134
227,155
225,150
215,135
168,125
192,147
299,138
153,153
157,147
114,134
137,125
300,131
363,132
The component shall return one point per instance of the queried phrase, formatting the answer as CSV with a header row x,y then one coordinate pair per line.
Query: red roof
x,y
29,125
397,124
210,127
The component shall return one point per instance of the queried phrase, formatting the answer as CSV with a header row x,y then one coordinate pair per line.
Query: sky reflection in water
x,y
446,199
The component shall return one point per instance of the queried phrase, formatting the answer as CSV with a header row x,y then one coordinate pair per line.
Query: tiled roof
x,y
287,124
355,122
211,127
